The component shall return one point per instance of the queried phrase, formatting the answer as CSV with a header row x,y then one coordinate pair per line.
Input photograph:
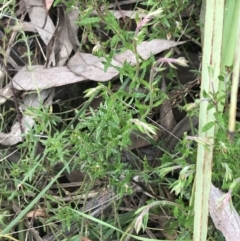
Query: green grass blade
x,y
211,63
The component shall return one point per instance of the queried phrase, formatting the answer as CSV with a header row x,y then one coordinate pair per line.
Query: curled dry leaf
x,y
5,94
12,138
60,46
38,13
32,100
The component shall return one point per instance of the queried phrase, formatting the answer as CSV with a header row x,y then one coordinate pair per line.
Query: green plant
x,y
92,140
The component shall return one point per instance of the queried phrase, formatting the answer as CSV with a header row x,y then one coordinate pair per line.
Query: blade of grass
x,y
211,64
235,80
231,20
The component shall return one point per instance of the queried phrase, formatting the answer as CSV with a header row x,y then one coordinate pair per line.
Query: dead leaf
x,y
21,8
25,26
48,4
12,138
155,46
32,100
140,139
5,94
225,218
44,78
71,19
91,67
146,49
177,133
75,176
36,213
37,14
127,56
83,66
60,47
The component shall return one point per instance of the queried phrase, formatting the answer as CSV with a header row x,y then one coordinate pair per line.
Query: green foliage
x,y
92,140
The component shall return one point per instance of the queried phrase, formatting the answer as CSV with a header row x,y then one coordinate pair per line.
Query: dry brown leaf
x,y
5,94
139,140
37,213
37,14
21,8
60,46
155,46
71,19
91,67
127,56
44,78
12,138
25,26
15,136
146,49
68,36
48,4
83,66
223,214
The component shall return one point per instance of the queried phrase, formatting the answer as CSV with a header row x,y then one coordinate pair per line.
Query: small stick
x,y
19,115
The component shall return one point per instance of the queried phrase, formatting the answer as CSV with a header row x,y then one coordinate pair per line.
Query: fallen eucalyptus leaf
x,y
91,67
146,49
43,78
